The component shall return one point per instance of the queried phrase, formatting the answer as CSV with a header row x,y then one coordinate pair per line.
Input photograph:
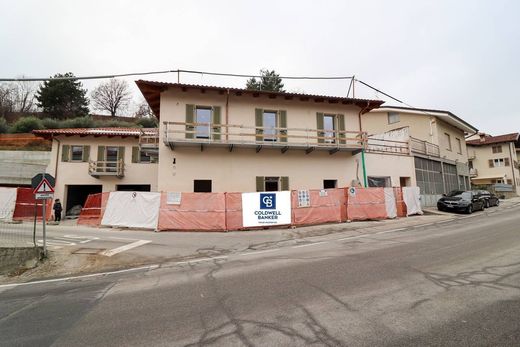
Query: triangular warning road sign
x,y
44,187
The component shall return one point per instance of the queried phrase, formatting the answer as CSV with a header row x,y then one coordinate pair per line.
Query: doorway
x,y
133,187
77,195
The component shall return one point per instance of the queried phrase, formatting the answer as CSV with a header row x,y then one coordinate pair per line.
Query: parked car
x,y
489,199
461,201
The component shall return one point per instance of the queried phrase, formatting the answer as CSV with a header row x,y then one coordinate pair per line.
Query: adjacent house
x,y
89,161
493,161
438,146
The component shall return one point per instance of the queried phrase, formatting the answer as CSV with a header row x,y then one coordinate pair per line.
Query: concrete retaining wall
x,y
13,258
18,167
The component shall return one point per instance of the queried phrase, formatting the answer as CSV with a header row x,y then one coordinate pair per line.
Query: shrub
x,y
113,123
26,125
4,128
148,122
80,122
51,123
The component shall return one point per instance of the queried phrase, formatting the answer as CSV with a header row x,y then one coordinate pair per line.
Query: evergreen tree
x,y
63,98
269,81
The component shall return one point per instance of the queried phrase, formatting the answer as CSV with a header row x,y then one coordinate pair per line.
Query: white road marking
x,y
201,260
122,238
117,250
63,279
353,237
260,252
309,244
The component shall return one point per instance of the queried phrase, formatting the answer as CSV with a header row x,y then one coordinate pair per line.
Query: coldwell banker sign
x,y
265,209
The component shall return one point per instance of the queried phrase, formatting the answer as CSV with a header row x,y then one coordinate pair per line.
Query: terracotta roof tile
x,y
96,131
514,137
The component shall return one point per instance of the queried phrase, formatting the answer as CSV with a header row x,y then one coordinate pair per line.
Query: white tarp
x,y
412,200
7,203
391,207
132,210
264,209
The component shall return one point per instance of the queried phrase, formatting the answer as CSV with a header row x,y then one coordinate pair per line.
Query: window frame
x,y
330,134
196,120
448,137
200,182
267,136
499,160
72,153
459,145
390,115
496,149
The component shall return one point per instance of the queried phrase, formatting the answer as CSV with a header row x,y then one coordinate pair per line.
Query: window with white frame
x,y
202,115
498,162
329,127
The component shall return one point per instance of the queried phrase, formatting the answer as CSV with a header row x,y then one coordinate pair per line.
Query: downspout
x,y
227,115
365,139
512,162
57,157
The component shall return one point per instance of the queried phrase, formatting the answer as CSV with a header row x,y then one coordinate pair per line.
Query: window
x,y
374,181
270,125
111,155
202,186
459,146
202,115
393,117
329,184
496,149
142,156
272,183
448,141
509,181
76,153
329,128
496,162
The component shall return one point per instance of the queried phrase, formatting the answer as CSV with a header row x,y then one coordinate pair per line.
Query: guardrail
x,y
106,168
208,133
424,147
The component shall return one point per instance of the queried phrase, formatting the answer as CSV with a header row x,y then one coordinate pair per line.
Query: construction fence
x,y
223,211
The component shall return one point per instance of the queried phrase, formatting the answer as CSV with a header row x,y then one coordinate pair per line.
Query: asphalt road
x,y
452,283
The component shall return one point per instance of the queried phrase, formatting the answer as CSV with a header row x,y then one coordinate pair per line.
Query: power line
x,y
42,79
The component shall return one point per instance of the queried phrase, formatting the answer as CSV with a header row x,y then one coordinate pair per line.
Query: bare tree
x,y
17,97
112,96
143,110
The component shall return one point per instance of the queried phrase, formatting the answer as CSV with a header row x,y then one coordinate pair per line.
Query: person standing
x,y
57,210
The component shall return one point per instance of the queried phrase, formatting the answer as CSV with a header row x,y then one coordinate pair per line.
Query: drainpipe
x,y
227,115
57,157
365,139
512,163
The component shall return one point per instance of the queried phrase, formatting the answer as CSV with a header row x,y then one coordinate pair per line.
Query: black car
x,y
489,199
461,201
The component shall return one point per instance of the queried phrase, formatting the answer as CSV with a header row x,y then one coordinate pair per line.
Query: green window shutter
x,y
190,118
101,153
121,153
491,163
283,124
259,183
135,154
341,127
86,153
216,122
284,182
65,153
506,162
259,123
319,126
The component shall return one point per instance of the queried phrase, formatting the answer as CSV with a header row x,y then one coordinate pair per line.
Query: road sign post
x,y
43,185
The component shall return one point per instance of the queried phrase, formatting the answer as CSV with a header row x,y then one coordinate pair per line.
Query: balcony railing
x,y
424,147
473,172
388,146
201,134
106,168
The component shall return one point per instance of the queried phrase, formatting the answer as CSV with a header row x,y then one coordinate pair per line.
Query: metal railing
x,y
106,168
424,147
385,146
147,140
473,172
207,133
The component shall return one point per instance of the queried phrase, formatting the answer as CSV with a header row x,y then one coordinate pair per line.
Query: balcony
x,y
106,168
471,154
424,147
149,142
473,173
230,136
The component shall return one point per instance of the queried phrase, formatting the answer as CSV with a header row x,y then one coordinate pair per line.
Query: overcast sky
x,y
461,56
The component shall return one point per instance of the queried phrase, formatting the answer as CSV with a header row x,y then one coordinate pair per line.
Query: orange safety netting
x,y
25,202
92,212
326,206
366,203
399,202
234,211
196,211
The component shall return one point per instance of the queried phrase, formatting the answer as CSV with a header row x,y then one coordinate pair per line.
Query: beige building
x,y
438,147
494,160
214,139
88,161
